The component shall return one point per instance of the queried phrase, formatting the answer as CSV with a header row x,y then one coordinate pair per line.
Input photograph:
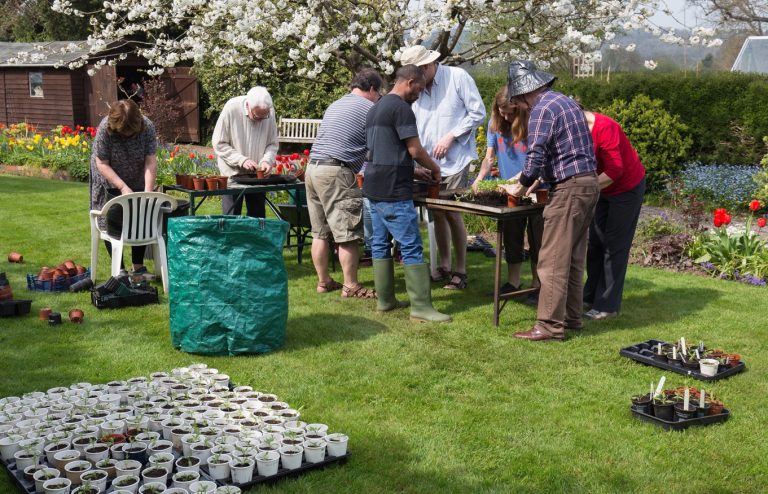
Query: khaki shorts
x,y
335,203
456,181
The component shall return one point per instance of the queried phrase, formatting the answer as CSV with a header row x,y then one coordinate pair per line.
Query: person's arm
x,y
421,156
473,118
270,152
485,166
540,127
150,172
111,176
222,144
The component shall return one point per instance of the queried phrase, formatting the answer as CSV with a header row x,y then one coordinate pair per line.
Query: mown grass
x,y
460,407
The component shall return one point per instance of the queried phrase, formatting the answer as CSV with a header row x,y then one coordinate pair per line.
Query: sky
x,y
681,12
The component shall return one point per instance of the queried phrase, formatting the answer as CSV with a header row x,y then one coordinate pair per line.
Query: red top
x,y
615,156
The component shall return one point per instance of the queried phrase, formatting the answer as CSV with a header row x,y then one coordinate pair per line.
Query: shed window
x,y
36,84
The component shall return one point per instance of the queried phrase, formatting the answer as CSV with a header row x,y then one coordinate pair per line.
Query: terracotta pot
x,y
212,183
300,174
69,264
734,359
80,269
223,182
58,273
198,183
512,201
360,178
542,196
45,274
259,174
5,292
45,313
433,190
15,257
184,180
76,316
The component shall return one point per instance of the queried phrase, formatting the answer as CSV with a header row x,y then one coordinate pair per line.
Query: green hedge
x,y
725,112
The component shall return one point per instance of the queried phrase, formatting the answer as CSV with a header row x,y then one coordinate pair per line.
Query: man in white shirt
x,y
448,112
245,141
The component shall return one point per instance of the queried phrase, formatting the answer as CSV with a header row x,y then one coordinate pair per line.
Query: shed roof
x,y
41,54
753,56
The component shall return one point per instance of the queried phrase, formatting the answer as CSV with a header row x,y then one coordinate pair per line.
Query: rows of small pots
x,y
671,404
183,431
694,357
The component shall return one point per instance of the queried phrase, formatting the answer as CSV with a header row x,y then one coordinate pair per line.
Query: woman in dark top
x,y
124,160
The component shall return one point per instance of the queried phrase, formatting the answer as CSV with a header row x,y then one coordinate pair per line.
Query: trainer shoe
x,y
597,315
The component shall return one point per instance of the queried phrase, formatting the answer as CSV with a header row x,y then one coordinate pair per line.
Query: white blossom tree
x,y
306,37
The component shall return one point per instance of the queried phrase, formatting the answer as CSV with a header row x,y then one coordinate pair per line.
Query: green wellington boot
x,y
384,280
417,282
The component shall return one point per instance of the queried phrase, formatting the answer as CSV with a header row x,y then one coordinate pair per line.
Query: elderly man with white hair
x,y
245,141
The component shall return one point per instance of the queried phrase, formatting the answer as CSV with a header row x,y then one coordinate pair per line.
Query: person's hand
x,y
436,175
475,185
125,190
441,148
533,188
265,167
251,165
513,189
421,173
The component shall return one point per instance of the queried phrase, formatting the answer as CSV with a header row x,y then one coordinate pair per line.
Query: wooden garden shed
x,y
44,92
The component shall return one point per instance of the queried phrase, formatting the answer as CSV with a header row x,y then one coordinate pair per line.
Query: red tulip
x,y
191,156
761,222
727,219
718,222
210,156
306,152
754,205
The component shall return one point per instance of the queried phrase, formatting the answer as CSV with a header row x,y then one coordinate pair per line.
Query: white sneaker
x,y
597,315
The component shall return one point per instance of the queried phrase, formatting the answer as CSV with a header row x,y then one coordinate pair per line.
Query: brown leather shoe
x,y
536,334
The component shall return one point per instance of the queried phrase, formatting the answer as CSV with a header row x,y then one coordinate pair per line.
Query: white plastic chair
x,y
142,225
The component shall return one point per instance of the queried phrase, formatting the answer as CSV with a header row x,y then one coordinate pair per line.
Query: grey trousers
x,y
564,247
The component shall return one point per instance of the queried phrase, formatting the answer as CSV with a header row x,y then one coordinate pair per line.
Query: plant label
x,y
682,346
674,353
658,349
701,399
698,355
686,399
660,387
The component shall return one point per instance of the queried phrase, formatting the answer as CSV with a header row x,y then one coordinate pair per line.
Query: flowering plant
x,y
291,164
730,253
172,160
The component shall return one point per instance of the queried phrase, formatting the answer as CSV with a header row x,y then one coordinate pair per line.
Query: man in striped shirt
x,y
561,154
334,200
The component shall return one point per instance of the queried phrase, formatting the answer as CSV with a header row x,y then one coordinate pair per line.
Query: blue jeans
x,y
400,220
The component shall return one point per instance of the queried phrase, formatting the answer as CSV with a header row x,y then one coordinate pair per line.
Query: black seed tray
x,y
139,298
10,308
643,352
284,473
678,425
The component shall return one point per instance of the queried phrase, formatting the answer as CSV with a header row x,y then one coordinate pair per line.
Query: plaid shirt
x,y
559,141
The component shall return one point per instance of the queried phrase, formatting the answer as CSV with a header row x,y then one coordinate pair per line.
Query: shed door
x,y
101,91
184,86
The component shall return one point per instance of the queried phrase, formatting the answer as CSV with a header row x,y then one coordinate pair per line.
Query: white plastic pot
x,y
708,366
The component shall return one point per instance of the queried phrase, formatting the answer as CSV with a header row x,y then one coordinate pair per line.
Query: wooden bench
x,y
298,129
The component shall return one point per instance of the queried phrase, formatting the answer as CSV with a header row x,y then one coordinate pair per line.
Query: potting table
x,y
447,202
292,215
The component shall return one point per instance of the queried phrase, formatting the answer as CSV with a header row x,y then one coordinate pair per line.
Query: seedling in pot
x,y
186,476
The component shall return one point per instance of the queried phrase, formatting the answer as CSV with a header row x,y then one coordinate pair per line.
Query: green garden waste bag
x,y
228,288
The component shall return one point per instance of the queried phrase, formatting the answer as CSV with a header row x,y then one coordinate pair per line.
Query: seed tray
x,y
135,299
62,285
678,425
10,308
643,352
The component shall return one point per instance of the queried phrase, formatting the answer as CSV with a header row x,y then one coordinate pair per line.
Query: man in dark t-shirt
x,y
393,145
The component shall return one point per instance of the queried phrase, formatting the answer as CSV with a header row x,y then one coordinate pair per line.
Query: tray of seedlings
x,y
697,361
187,431
678,408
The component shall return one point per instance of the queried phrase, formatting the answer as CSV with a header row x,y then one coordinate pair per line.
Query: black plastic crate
x,y
135,299
10,308
643,352
678,425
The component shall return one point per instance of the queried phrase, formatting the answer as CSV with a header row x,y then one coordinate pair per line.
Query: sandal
x,y
443,275
328,286
358,291
457,285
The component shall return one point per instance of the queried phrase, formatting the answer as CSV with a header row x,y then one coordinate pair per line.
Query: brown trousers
x,y
563,252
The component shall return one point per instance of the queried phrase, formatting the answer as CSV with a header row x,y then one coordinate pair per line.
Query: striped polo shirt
x,y
342,133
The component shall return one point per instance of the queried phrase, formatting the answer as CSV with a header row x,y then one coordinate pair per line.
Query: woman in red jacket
x,y
621,176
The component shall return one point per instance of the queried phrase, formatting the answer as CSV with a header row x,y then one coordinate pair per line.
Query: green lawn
x,y
459,407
